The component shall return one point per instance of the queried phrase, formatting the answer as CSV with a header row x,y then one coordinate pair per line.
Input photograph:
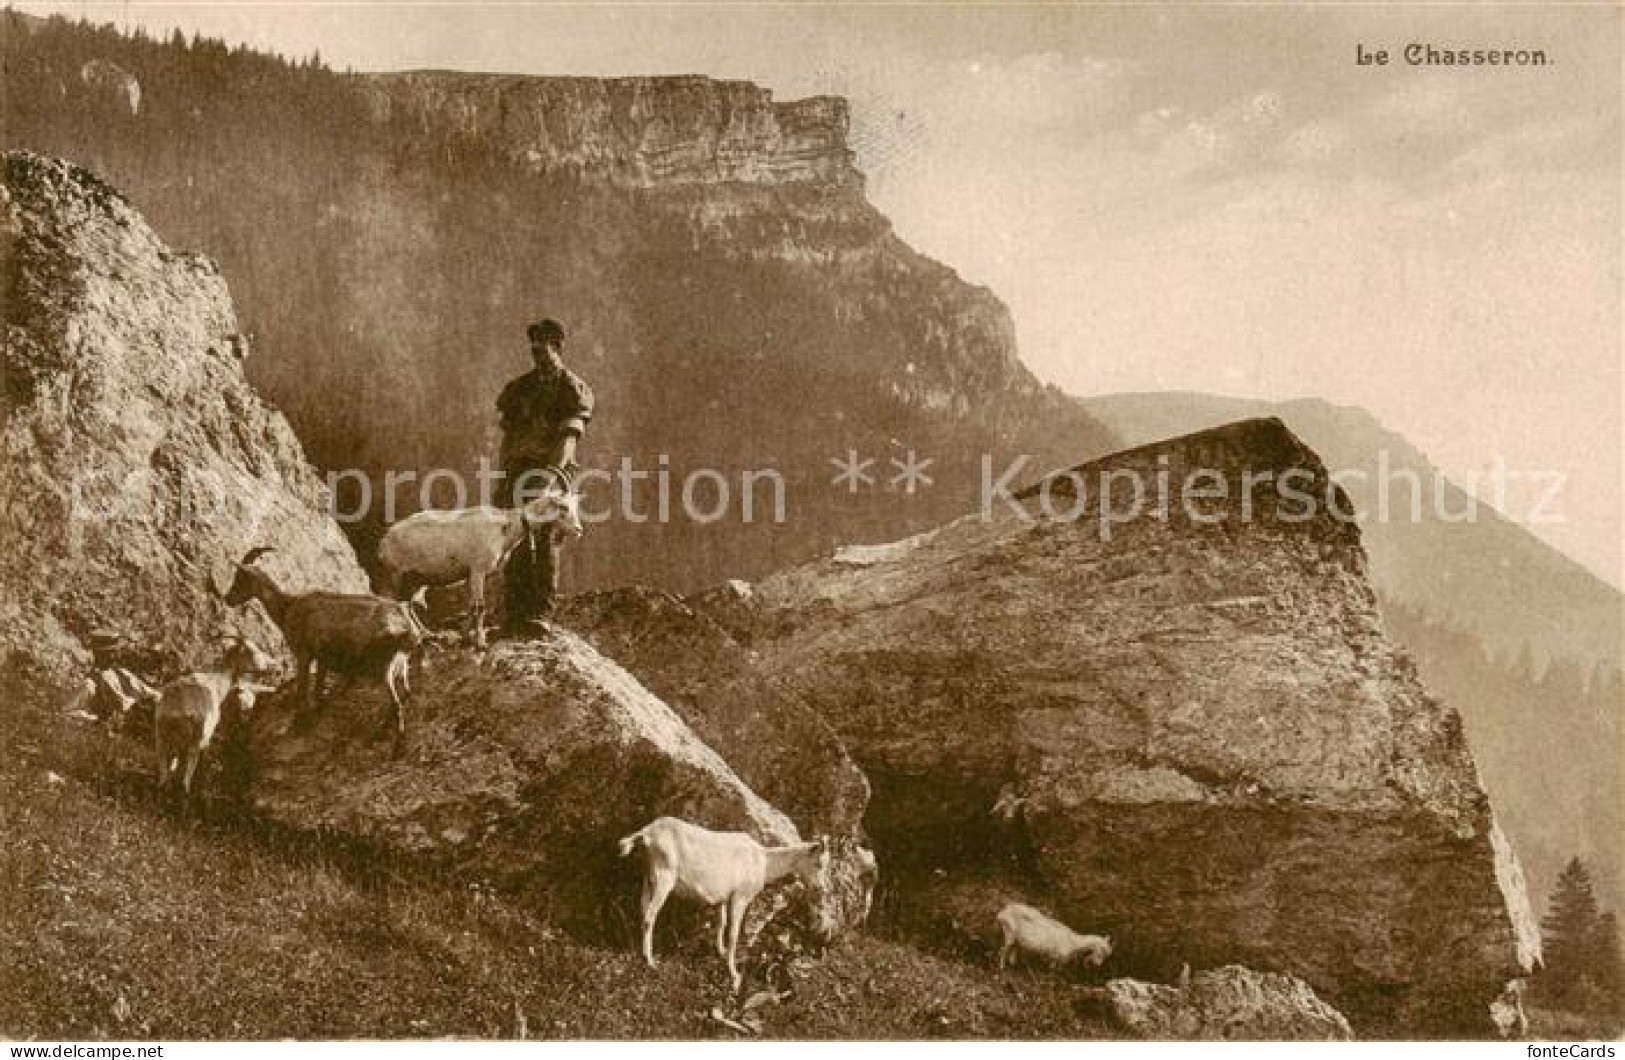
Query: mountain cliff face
x,y
733,299
136,463
635,132
389,237
1191,734
757,180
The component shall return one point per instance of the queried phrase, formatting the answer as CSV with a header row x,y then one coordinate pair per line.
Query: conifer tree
x,y
1573,941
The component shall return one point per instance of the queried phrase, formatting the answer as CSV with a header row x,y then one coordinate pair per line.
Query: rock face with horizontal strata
x,y
1190,733
637,132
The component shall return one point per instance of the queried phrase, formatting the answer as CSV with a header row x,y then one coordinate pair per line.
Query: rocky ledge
x,y
636,132
521,768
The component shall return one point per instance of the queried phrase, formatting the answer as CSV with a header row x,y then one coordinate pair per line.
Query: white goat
x,y
440,547
190,709
1026,930
724,870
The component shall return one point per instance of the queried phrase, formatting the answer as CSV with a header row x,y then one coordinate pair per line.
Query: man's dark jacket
x,y
538,412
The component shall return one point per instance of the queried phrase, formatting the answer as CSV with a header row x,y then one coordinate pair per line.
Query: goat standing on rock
x,y
724,870
351,634
441,547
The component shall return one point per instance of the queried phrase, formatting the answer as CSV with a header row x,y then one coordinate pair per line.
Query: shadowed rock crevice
x,y
778,744
521,767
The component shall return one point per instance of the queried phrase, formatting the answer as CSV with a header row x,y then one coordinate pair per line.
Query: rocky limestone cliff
x,y
522,768
635,132
137,463
1191,734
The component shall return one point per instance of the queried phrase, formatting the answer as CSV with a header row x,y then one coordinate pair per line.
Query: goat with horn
x,y
349,634
442,547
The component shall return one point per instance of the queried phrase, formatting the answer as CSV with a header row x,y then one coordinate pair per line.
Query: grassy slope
x,y
206,930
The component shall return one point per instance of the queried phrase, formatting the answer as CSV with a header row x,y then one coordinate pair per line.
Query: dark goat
x,y
350,634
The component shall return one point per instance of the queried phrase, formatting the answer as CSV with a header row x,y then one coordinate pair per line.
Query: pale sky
x,y
1181,197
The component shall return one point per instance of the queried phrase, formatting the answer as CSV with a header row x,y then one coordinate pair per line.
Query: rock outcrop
x,y
1185,729
635,132
1224,1004
770,736
521,769
136,463
1458,593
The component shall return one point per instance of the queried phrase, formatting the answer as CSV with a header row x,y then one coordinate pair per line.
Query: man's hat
x,y
546,331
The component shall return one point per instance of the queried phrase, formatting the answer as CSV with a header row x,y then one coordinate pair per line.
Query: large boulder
x,y
1224,1004
521,768
1185,729
136,462
772,739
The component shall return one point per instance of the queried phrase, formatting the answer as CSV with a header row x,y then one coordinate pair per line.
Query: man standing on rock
x,y
544,413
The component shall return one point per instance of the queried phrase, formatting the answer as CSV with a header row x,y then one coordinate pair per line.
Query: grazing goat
x,y
725,870
1026,930
351,634
191,707
440,547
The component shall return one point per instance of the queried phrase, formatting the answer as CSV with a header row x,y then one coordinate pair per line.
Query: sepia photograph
x,y
761,522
